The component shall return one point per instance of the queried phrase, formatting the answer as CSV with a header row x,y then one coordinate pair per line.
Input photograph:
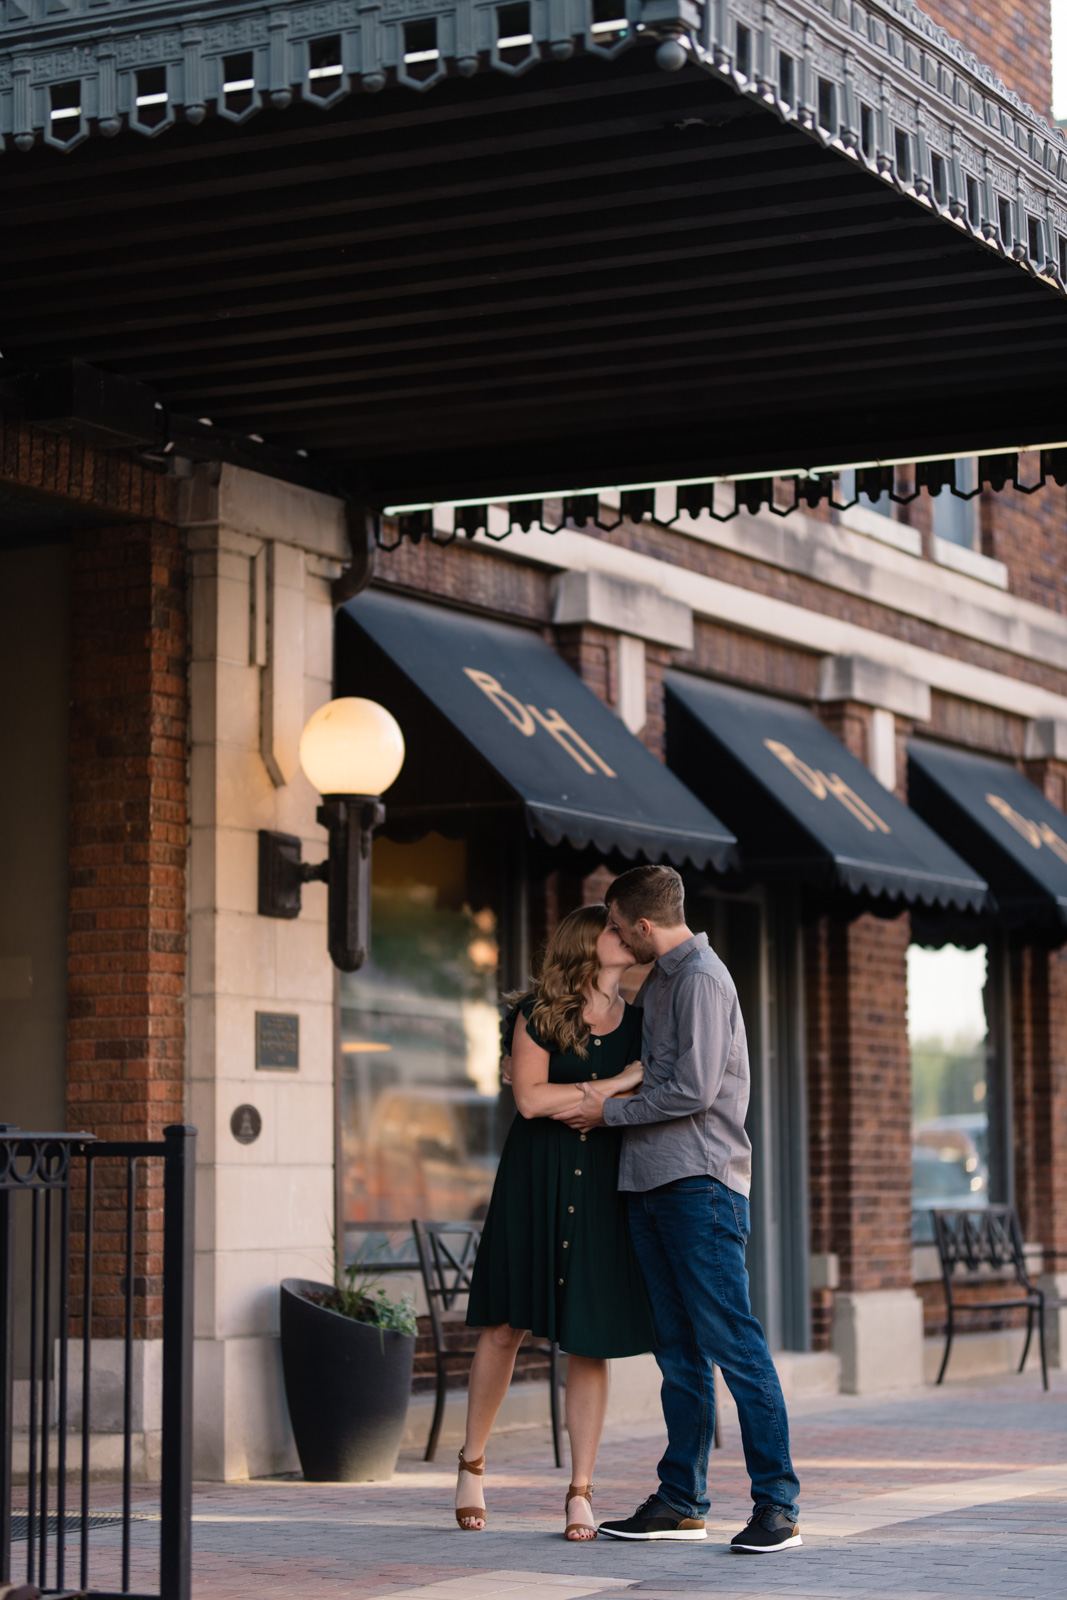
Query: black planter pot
x,y
347,1385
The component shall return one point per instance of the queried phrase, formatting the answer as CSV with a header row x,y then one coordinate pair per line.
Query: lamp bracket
x,y
282,874
351,821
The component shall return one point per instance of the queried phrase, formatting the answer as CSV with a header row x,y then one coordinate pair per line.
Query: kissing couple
x,y
619,1217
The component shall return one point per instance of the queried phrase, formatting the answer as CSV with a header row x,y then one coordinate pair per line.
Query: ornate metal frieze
x,y
877,80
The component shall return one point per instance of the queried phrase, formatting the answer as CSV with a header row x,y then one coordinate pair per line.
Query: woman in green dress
x,y
556,1256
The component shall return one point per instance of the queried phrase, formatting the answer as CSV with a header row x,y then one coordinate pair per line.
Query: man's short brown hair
x,y
655,893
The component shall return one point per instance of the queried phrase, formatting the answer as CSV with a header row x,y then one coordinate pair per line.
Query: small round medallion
x,y
246,1124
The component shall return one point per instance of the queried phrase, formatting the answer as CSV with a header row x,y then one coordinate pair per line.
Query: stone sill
x,y
970,562
860,519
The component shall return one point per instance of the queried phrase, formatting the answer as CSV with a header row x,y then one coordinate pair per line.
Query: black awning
x,y
1002,825
802,806
446,277
531,735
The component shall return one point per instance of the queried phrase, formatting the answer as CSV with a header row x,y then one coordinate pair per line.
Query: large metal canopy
x,y
452,250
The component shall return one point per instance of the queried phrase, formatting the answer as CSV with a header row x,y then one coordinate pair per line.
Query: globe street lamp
x,y
351,751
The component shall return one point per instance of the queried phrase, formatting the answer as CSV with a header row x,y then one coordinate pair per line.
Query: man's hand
x,y
589,1112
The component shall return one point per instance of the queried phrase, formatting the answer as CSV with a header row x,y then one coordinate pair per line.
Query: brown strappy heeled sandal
x,y
477,1470
579,1491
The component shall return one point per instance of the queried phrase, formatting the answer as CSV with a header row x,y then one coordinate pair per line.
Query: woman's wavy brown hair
x,y
568,972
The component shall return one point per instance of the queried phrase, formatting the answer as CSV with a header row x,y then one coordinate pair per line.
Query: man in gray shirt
x,y
687,1165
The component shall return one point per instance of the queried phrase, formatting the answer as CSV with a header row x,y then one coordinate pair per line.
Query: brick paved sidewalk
x,y
956,1492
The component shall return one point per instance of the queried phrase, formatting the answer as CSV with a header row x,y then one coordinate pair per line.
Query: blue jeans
x,y
690,1240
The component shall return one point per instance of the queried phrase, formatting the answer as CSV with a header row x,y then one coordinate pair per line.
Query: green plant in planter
x,y
358,1294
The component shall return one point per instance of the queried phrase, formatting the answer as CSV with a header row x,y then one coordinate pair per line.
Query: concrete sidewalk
x,y
954,1492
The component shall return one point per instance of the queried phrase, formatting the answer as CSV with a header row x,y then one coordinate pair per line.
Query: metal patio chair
x,y
446,1256
973,1244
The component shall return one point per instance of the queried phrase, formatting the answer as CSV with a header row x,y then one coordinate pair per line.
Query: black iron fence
x,y
61,1229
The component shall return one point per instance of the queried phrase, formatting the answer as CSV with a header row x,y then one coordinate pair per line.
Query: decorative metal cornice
x,y
877,80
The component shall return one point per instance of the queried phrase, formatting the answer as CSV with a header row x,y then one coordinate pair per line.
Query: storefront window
x,y
951,1062
420,1044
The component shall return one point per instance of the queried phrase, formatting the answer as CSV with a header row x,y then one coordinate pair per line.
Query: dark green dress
x,y
556,1255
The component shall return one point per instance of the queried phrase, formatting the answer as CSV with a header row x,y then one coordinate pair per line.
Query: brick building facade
x,y
184,597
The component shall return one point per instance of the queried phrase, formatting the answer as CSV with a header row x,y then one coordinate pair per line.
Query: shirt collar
x,y
673,959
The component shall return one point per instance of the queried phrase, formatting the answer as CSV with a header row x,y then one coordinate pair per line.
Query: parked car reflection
x,y
949,1168
429,1151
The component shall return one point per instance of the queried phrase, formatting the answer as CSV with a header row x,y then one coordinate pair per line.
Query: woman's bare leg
x,y
491,1369
587,1401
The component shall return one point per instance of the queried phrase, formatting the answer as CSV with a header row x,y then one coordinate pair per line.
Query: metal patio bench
x,y
446,1253
975,1244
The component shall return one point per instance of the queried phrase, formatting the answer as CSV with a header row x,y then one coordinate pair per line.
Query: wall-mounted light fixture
x,y
351,750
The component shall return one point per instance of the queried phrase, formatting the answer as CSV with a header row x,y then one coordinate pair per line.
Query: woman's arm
x,y
534,1095
629,1079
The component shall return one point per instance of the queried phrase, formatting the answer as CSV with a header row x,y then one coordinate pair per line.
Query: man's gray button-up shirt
x,y
688,1117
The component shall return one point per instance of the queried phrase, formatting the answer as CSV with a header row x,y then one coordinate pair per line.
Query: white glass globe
x,y
352,746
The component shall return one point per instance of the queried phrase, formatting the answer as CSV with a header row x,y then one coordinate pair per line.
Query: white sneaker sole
x,y
767,1549
681,1533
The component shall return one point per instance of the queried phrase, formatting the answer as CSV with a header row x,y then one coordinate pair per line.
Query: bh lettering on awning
x,y
527,719
1035,833
824,784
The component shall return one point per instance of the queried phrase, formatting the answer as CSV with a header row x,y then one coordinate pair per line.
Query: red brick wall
x,y
97,480
1039,1083
1039,1071
1039,996
461,574
1011,36
1027,533
593,654
128,854
859,1103
128,827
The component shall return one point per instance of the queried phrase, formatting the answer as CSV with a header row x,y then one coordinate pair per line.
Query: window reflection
x,y
420,1042
956,519
948,1033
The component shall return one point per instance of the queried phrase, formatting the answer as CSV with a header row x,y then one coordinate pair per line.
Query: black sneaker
x,y
655,1520
766,1531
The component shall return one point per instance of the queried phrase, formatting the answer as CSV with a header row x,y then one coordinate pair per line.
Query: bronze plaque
x,y
277,1042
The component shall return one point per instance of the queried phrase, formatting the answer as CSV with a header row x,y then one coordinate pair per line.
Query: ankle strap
x,y
579,1491
475,1468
